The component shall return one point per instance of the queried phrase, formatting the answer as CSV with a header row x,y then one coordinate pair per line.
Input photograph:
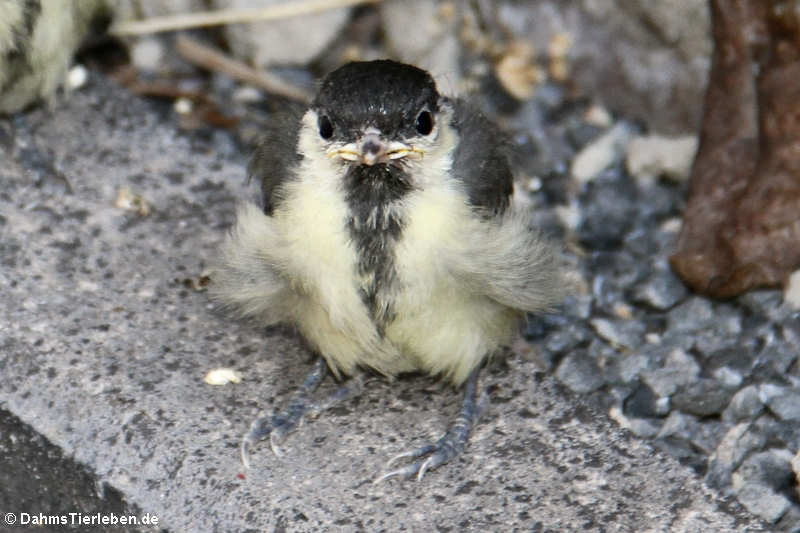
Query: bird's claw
x,y
276,427
440,453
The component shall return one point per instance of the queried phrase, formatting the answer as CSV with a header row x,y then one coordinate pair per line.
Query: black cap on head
x,y
382,94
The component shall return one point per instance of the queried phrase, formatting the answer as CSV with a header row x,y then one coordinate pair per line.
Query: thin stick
x,y
210,59
228,16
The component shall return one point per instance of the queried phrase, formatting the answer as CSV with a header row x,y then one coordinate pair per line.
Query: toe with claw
x,y
450,445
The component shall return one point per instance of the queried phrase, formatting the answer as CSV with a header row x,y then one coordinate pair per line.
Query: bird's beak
x,y
372,148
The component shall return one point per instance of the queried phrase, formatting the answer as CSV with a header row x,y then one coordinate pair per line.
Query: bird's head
x,y
376,112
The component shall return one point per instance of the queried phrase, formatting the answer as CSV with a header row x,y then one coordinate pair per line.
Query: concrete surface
x,y
104,345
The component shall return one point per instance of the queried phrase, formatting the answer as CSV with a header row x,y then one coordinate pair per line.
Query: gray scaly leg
x,y
282,423
451,444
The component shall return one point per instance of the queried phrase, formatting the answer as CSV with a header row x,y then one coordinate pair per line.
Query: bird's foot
x,y
280,424
450,445
444,450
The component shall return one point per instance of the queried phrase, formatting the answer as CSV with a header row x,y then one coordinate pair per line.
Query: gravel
x,y
715,384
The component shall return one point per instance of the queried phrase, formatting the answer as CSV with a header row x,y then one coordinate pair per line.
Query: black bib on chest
x,y
375,223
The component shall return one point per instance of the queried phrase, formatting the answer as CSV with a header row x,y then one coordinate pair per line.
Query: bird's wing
x,y
276,153
480,160
501,255
508,260
246,280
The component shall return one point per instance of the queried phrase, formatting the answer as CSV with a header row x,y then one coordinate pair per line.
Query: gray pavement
x,y
104,344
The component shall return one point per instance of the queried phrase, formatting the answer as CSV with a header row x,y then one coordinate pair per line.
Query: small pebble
x,y
791,294
222,376
661,290
653,156
763,501
786,406
77,77
705,397
600,154
679,369
746,404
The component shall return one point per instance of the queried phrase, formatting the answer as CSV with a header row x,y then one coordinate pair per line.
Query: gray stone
x,y
580,373
709,434
705,397
566,338
703,436
723,332
643,403
674,339
682,450
642,244
641,427
734,446
761,302
777,432
620,333
606,293
695,314
735,357
604,354
779,356
709,341
727,377
762,501
772,467
786,406
746,404
661,290
609,206
759,479
631,366
791,333
679,369
678,424
769,391
579,305
619,266
790,521
796,469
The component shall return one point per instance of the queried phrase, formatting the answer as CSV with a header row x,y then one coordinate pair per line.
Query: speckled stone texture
x,y
105,344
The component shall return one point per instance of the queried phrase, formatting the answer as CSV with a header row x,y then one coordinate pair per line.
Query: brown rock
x,y
742,222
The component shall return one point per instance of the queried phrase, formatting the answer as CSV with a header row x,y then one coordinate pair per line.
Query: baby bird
x,y
386,235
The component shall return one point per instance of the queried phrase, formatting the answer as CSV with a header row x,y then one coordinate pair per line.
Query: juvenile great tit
x,y
386,235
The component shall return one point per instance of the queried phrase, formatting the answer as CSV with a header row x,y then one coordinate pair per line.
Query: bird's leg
x,y
452,443
280,424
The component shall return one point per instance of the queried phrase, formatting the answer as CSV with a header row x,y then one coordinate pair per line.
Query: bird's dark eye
x,y
325,127
425,123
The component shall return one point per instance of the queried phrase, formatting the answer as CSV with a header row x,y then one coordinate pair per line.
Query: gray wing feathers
x,y
480,161
511,263
247,280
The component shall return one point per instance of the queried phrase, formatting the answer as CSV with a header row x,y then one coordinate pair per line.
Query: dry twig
x,y
185,21
210,59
